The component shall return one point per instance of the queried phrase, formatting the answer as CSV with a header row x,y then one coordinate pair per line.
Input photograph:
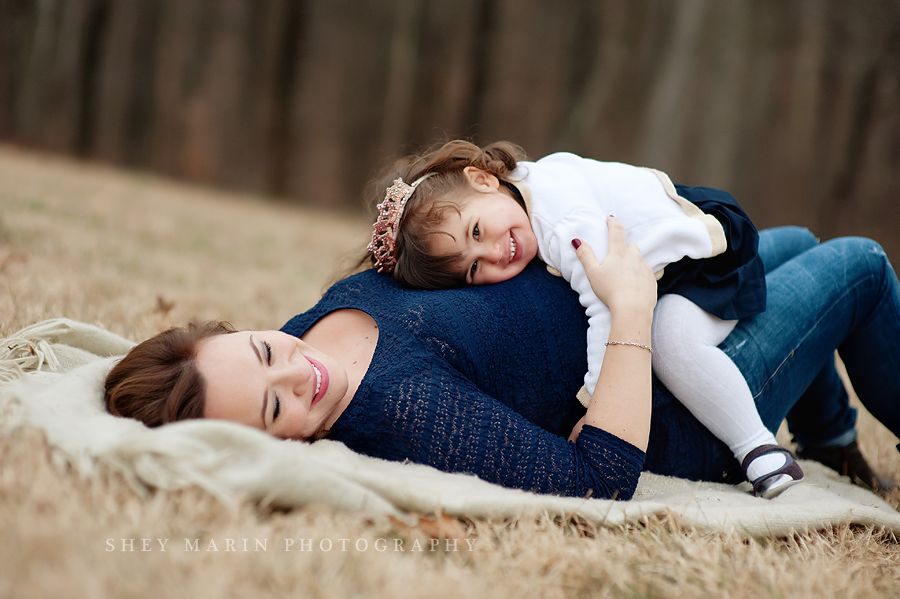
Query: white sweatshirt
x,y
569,197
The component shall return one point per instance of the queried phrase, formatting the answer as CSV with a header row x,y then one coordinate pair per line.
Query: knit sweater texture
x,y
480,380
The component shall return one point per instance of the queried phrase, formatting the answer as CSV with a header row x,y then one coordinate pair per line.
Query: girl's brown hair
x,y
158,381
416,266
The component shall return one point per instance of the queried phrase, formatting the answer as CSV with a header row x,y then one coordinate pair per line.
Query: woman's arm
x,y
462,429
620,404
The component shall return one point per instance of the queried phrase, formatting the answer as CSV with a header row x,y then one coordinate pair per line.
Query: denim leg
x,y
826,397
823,416
872,352
779,244
840,294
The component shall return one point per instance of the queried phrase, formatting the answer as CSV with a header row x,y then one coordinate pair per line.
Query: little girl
x,y
460,214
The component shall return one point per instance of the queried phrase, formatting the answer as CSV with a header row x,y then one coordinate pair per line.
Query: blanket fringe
x,y
30,349
57,344
20,354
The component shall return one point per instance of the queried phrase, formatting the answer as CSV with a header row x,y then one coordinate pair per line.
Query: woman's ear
x,y
481,180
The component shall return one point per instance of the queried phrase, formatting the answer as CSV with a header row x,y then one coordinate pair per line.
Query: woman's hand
x,y
623,281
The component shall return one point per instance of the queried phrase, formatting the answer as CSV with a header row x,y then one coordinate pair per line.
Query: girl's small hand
x,y
623,281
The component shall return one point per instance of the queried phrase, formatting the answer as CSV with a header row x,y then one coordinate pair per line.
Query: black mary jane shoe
x,y
772,484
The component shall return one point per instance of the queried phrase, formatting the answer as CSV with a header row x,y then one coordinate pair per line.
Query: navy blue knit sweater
x,y
479,380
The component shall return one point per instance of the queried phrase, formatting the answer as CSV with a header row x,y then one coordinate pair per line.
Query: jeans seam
x,y
774,374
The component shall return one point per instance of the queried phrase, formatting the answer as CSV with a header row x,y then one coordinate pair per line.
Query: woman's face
x,y
271,381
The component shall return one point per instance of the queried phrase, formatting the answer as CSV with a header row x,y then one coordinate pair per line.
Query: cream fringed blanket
x,y
61,365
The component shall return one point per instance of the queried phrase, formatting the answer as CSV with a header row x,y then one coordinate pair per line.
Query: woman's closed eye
x,y
276,404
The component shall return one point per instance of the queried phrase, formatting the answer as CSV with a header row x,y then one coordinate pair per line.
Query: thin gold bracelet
x,y
647,347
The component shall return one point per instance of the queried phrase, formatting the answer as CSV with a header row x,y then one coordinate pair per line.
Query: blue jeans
x,y
842,294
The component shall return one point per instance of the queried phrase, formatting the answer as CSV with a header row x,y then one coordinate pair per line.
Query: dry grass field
x,y
134,253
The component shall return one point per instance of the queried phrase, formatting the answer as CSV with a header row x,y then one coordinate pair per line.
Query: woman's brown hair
x,y
158,381
416,266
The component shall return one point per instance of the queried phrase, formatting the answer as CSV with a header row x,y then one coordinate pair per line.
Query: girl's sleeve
x,y
589,226
455,427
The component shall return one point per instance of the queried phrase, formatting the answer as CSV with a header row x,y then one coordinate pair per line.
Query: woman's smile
x,y
321,380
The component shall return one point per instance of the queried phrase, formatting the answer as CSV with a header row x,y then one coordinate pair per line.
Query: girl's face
x,y
492,232
271,381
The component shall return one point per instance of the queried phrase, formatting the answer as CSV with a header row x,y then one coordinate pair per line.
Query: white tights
x,y
702,377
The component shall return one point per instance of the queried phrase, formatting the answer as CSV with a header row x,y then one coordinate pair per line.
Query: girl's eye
x,y
268,347
473,269
476,232
277,409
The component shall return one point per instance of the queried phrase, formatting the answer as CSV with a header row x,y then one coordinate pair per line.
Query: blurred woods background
x,y
792,105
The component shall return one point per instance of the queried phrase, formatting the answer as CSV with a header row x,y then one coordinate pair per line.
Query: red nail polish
x,y
576,243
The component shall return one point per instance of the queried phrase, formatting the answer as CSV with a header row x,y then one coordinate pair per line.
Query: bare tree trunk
x,y
666,117
609,61
793,106
401,75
